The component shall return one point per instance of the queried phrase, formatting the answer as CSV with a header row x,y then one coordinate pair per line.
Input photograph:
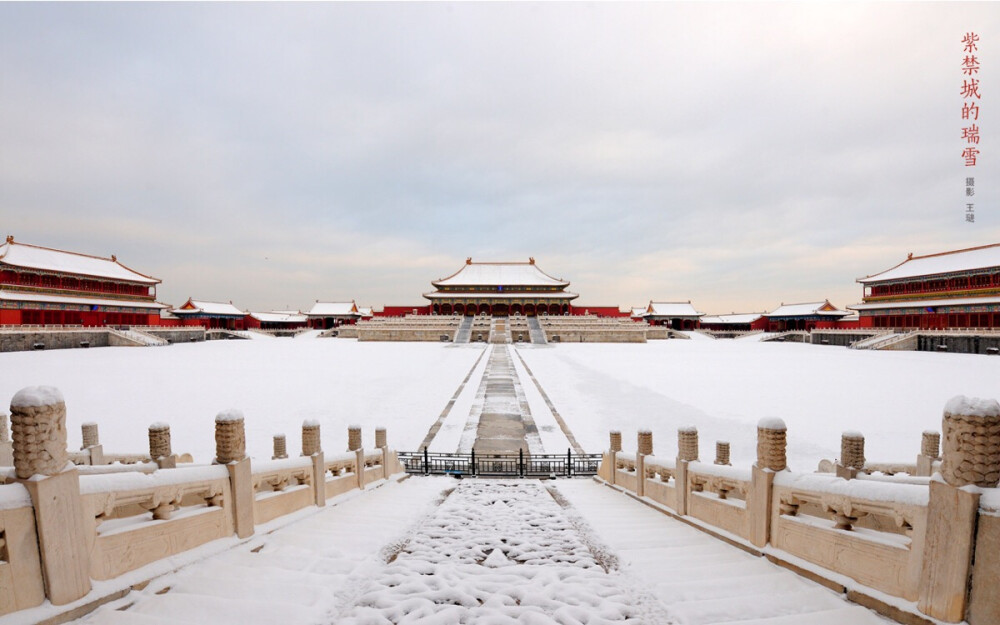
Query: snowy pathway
x,y
500,420
436,551
300,574
502,552
700,579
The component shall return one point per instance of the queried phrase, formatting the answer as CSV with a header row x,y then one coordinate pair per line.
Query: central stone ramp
x,y
503,423
501,552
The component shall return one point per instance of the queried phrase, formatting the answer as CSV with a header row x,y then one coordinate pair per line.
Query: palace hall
x,y
500,289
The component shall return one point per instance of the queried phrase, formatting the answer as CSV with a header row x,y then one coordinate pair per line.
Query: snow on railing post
x,y
722,453
930,451
312,447
852,455
771,457
687,451
280,447
231,450
41,464
159,446
6,448
92,443
971,457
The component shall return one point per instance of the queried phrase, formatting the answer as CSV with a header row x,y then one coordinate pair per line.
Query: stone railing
x,y
63,526
892,536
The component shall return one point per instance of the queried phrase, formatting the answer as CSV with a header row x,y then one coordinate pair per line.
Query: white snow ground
x,y
566,552
277,383
724,387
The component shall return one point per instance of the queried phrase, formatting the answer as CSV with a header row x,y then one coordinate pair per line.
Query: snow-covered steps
x,y
699,579
464,332
502,552
301,573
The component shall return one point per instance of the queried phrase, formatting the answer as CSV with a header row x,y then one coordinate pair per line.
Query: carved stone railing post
x,y
231,450
771,457
6,447
41,464
311,443
722,453
971,457
280,447
687,451
930,451
616,440
852,455
644,447
380,443
159,446
354,444
353,437
313,448
92,443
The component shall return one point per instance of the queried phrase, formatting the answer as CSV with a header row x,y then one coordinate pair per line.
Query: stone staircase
x,y
498,332
536,332
139,338
464,332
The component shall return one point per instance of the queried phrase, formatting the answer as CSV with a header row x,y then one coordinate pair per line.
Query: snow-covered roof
x,y
928,303
638,311
492,274
824,308
982,257
279,317
672,309
333,309
208,308
86,300
734,318
365,312
47,259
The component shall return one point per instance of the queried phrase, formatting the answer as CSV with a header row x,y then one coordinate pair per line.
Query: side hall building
x,y
45,286
957,289
500,289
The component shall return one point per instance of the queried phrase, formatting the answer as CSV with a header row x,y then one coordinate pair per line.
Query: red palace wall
x,y
600,311
400,311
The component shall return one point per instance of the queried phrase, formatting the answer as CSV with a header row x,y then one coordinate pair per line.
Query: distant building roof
x,y
735,318
48,259
201,307
505,274
334,309
280,317
672,309
982,257
824,308
638,311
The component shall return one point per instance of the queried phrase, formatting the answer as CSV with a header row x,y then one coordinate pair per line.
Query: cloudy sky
x,y
735,155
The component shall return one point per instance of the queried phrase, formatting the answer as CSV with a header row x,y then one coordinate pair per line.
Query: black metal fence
x,y
520,464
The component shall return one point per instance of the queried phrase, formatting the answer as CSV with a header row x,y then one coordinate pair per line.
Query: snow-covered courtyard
x,y
723,387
